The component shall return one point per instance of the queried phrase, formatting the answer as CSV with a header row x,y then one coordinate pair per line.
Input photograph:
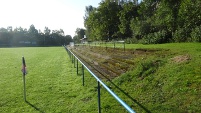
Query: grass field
x,y
53,86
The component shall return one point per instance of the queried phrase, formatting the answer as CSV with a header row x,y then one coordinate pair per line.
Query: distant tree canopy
x,y
32,37
80,33
150,21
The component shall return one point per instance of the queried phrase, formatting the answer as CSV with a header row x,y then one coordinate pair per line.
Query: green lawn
x,y
52,84
156,84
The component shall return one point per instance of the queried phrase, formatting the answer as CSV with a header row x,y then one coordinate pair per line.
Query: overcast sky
x,y
55,14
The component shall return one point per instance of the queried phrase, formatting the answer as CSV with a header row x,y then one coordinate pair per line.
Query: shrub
x,y
179,35
196,34
182,34
131,40
156,37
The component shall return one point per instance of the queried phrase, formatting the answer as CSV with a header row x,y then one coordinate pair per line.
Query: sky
x,y
54,14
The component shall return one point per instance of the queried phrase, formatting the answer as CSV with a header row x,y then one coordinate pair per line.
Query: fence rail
x,y
114,44
73,57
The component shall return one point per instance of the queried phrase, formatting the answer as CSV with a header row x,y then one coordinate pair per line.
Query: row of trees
x,y
32,37
150,21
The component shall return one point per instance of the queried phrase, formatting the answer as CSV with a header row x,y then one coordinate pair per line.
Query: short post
x,y
77,66
105,45
70,55
24,83
24,73
74,61
72,58
82,75
99,100
124,46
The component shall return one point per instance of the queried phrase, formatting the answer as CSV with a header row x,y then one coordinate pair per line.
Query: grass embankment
x,y
165,81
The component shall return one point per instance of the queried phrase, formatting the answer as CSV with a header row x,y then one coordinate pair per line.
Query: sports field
x,y
52,84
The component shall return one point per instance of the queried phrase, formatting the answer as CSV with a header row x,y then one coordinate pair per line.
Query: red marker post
x,y
24,71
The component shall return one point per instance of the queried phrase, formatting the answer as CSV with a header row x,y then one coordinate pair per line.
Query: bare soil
x,y
181,58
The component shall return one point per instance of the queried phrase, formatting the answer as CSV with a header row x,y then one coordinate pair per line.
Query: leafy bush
x,y
131,40
156,37
196,34
178,35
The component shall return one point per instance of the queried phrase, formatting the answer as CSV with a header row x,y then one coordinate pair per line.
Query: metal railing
x,y
113,44
72,57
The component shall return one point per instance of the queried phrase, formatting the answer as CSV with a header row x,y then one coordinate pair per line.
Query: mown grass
x,y
156,84
51,83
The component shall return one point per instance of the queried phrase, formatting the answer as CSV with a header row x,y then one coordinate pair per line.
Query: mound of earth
x,y
181,58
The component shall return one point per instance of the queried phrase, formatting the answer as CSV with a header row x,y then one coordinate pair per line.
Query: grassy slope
x,y
52,84
158,84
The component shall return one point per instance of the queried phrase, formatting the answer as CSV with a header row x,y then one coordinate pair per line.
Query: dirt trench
x,y
109,62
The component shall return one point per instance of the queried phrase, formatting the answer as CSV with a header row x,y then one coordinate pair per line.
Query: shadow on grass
x,y
34,106
125,93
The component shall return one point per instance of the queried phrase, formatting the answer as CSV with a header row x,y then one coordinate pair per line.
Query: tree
x,y
109,20
67,39
102,23
126,15
33,34
47,31
5,37
80,32
92,25
88,10
32,30
31,37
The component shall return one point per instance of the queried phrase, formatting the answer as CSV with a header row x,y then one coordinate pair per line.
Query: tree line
x,y
148,22
33,37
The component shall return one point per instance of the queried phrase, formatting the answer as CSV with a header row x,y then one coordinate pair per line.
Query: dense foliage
x,y
150,21
80,35
32,37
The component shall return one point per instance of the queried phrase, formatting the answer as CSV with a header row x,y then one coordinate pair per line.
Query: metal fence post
x,y
77,66
82,75
24,83
99,101
72,58
74,61
69,55
124,47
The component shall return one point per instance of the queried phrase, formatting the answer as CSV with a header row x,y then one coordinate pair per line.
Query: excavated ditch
x,y
109,62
